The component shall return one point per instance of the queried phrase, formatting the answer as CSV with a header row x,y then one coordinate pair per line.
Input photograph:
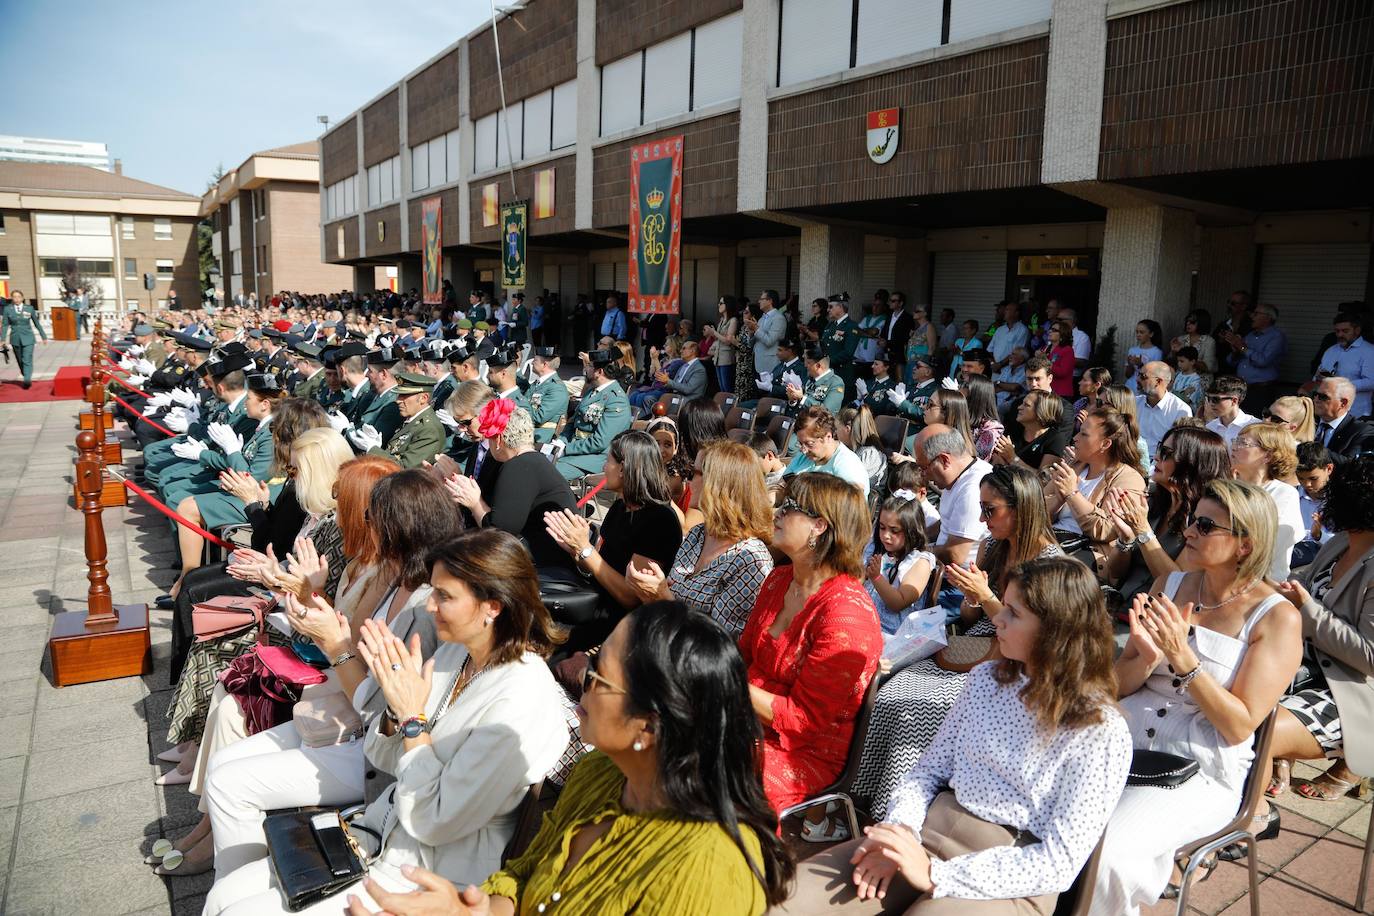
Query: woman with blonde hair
x,y
1295,412
859,432
1266,455
1210,653
723,561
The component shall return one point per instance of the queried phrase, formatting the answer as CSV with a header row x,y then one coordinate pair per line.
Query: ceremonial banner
x,y
514,227
543,193
432,250
491,194
656,226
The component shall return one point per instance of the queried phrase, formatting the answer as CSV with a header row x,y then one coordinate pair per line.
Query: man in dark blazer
x,y
897,332
1344,436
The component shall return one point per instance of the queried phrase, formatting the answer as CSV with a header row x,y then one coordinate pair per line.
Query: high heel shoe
x,y
161,850
174,866
1272,825
1200,874
172,755
173,777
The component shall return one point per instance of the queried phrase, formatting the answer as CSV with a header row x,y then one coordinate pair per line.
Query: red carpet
x,y
14,393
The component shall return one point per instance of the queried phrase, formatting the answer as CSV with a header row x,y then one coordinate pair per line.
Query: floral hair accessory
x,y
492,418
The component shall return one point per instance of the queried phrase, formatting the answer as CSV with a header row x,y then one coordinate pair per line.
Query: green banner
x,y
514,231
655,226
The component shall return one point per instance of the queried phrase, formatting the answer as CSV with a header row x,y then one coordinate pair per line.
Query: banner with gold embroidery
x,y
656,227
514,228
431,250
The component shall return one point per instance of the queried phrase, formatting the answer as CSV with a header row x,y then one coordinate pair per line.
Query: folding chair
x,y
770,407
779,429
739,435
671,403
740,418
892,431
725,401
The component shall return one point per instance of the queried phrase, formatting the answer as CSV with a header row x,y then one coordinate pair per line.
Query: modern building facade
x,y
58,152
265,220
63,224
1130,157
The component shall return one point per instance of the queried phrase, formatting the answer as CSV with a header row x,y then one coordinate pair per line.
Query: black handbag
x,y
568,602
1161,770
312,859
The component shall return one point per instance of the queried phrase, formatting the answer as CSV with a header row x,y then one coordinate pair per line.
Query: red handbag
x,y
228,614
266,683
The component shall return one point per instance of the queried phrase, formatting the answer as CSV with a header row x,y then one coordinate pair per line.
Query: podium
x,y
63,323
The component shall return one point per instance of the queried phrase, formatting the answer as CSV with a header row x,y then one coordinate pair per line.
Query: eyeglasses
x,y
791,505
1218,398
590,677
1207,526
985,511
1244,442
1164,453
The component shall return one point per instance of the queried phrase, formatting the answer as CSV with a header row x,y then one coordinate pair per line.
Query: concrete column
x,y
465,151
364,279
832,261
408,274
362,178
588,111
913,270
757,73
1073,90
1147,257
727,276
1227,263
460,274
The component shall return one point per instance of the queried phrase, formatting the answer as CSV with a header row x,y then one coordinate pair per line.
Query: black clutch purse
x,y
1161,770
313,855
569,603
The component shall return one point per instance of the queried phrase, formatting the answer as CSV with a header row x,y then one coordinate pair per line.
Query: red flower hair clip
x,y
493,417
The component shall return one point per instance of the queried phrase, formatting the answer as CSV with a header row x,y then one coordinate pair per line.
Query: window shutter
x,y
815,39
564,115
509,144
537,109
972,18
1306,283
484,144
970,282
620,85
719,58
891,28
764,272
667,70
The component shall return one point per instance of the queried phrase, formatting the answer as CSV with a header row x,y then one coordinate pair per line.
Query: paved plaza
x,y
78,808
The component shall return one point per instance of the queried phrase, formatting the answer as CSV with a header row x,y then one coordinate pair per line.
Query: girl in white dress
x,y
1211,651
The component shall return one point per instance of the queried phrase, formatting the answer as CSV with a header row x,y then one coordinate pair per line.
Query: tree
x,y
73,280
205,234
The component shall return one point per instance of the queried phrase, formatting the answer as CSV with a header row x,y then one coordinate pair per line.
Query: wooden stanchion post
x,y
105,641
111,493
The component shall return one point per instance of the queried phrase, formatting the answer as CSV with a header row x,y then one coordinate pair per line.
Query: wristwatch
x,y
585,554
414,727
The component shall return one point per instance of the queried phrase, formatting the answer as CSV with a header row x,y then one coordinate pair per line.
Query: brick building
x,y
1133,158
265,220
71,221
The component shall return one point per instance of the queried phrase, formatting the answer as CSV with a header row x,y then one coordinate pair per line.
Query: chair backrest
x,y
725,401
856,745
739,435
1078,899
740,418
1255,783
892,432
528,815
779,428
769,407
639,424
672,403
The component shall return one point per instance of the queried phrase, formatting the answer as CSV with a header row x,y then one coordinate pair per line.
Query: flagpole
x,y
505,112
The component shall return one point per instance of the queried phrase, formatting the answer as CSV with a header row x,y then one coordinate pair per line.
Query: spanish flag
x,y
543,194
491,194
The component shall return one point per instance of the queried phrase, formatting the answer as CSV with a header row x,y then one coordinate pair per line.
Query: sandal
x,y
1200,874
1272,822
1329,788
1281,780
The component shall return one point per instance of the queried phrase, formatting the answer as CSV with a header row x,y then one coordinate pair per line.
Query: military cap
x,y
464,324
233,346
352,348
518,296
600,358
544,352
815,354
481,326
431,350
791,344
231,362
384,356
272,333
414,383
263,382
458,354
403,324
255,333
225,325
191,341
142,330
329,355
306,350
502,358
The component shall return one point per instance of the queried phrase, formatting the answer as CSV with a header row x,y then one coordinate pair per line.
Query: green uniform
x,y
420,439
383,414
877,401
601,416
826,391
548,403
914,407
353,405
311,388
840,339
442,389
17,326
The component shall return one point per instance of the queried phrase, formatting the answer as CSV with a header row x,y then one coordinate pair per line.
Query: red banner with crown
x,y
656,227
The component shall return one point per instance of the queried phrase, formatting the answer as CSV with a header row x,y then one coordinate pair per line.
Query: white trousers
x,y
224,725
273,770
252,891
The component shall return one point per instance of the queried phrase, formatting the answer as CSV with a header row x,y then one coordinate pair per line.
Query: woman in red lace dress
x,y
812,642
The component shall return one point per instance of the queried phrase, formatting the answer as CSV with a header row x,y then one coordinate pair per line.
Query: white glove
x,y
895,397
144,367
765,380
183,397
554,449
176,421
861,387
160,400
793,379
949,384
136,350
137,380
190,449
223,435
900,388
192,411
126,364
446,418
338,421
365,438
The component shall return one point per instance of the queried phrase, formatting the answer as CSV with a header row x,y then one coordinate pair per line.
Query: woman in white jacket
x,y
466,733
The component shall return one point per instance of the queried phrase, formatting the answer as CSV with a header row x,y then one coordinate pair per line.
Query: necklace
x,y
1212,607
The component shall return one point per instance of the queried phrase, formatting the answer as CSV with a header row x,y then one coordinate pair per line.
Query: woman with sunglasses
x,y
666,815
1294,412
1209,654
1197,333
813,641
466,732
1266,455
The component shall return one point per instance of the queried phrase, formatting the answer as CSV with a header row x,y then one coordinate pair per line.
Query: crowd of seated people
x,y
471,585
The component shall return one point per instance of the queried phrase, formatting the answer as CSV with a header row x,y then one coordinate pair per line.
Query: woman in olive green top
x,y
632,833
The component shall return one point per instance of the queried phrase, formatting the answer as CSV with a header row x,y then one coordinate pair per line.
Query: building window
x,y
66,267
162,230
4,265
2,223
260,203
164,268
238,262
126,227
262,260
131,268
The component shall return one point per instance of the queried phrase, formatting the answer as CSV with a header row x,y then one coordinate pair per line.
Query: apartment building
x,y
60,224
1132,158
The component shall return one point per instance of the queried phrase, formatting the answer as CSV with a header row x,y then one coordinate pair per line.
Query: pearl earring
x,y
638,745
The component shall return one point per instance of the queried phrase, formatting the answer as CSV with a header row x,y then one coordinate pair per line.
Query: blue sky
x,y
176,88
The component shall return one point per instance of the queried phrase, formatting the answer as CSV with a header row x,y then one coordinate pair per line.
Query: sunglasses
x,y
1218,398
985,511
1320,396
591,678
1272,417
1207,526
1164,453
791,505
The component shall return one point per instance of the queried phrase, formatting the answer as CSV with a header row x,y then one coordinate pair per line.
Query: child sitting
x,y
1315,465
897,566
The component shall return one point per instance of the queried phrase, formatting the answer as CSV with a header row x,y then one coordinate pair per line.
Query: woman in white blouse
x,y
1266,454
1210,653
1005,807
723,561
466,733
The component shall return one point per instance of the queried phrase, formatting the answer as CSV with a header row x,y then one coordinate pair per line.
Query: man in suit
x,y
602,414
770,328
690,379
17,325
519,330
1343,434
900,324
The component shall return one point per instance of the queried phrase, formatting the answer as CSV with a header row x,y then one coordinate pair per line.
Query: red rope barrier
x,y
591,494
138,391
172,514
134,410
